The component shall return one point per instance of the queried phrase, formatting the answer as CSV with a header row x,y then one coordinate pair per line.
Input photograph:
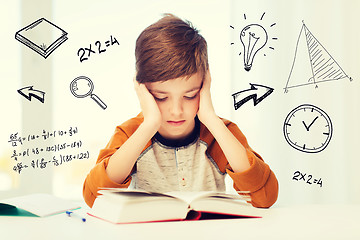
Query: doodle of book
x,y
42,36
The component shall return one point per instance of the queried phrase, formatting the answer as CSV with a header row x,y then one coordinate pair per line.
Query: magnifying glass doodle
x,y
82,87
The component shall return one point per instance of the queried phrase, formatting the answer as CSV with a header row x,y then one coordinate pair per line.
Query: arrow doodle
x,y
29,92
252,93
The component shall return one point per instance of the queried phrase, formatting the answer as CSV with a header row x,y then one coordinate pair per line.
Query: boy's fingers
x,y
142,90
209,76
136,84
140,87
207,81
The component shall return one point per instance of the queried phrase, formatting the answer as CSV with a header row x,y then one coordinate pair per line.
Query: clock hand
x,y
307,128
312,122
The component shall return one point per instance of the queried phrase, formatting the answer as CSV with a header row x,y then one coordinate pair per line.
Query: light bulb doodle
x,y
253,37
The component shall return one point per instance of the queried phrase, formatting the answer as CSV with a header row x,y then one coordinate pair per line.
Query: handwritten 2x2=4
x,y
99,48
298,176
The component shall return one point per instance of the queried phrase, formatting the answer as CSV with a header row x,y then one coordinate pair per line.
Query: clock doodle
x,y
307,128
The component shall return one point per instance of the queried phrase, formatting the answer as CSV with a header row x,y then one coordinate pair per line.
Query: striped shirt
x,y
177,166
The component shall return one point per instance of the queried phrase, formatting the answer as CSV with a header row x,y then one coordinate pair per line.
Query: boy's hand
x,y
149,107
206,111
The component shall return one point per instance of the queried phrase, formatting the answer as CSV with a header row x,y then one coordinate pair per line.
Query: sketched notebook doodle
x,y
42,36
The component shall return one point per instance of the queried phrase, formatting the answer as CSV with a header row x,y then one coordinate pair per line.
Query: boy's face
x,y
178,101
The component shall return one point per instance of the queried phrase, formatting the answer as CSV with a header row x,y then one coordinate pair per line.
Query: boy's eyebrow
x,y
193,89
162,92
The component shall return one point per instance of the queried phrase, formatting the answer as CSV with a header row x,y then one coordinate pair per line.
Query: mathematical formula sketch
x,y
82,86
29,93
253,37
256,92
42,36
312,63
67,150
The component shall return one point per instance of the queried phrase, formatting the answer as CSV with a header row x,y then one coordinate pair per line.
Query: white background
x,y
332,22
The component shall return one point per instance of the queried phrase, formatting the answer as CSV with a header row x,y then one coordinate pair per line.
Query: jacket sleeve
x,y
97,177
259,180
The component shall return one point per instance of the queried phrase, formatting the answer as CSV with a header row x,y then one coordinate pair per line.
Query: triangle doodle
x,y
313,59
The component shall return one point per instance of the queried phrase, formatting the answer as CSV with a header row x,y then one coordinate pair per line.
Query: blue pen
x,y
73,214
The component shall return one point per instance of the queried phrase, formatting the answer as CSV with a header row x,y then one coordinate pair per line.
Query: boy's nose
x,y
176,108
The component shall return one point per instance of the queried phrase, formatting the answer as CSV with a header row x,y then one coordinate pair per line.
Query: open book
x,y
134,206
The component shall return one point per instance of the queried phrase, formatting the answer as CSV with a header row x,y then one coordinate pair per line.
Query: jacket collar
x,y
175,143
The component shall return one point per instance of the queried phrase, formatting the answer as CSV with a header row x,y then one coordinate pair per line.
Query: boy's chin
x,y
175,132
173,135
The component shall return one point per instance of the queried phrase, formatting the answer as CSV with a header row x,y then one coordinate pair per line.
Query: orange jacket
x,y
259,180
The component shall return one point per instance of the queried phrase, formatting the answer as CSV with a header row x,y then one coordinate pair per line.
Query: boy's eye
x,y
160,99
191,97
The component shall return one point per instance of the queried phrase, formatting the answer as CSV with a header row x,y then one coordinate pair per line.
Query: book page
x,y
126,195
188,196
193,196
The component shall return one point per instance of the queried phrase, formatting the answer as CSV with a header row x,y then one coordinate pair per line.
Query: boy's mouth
x,y
176,123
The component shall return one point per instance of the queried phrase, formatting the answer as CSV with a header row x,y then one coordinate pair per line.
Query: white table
x,y
293,222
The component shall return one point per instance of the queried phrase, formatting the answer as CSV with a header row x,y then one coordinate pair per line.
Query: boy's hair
x,y
170,48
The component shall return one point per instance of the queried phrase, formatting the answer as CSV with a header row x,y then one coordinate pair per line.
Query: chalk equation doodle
x,y
42,36
298,176
29,93
308,129
312,63
82,87
99,48
16,139
253,37
60,151
256,92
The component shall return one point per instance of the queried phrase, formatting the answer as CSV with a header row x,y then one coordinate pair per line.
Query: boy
x,y
177,142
